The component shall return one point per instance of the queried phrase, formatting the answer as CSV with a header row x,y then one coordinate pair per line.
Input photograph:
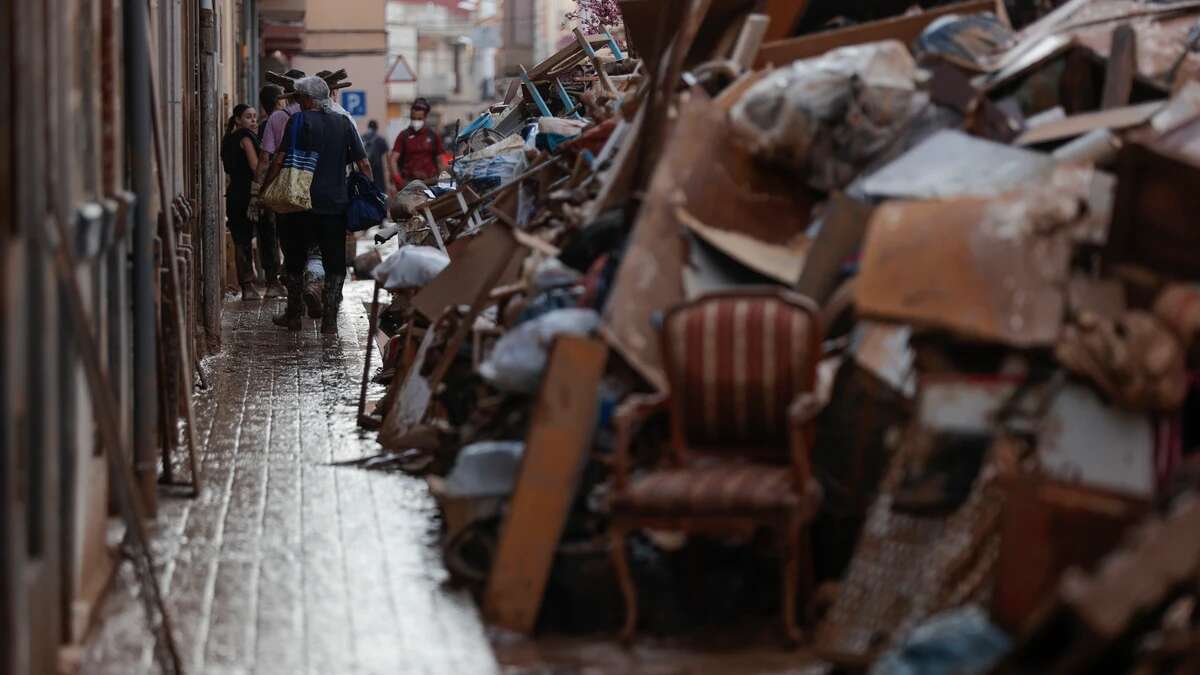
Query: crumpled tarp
x,y
956,642
827,117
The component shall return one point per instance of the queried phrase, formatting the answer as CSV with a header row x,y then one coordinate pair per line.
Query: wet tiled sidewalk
x,y
285,563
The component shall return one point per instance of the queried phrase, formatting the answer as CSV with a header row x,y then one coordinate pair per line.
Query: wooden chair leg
x,y
625,579
808,570
789,586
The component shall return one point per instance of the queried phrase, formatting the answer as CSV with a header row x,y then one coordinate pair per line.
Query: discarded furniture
x,y
741,368
556,450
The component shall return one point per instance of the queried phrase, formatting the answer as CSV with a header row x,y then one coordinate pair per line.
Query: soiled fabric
x,y
828,117
720,489
1135,360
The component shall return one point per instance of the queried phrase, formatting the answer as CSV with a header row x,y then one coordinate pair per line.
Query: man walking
x,y
336,142
377,152
417,153
272,138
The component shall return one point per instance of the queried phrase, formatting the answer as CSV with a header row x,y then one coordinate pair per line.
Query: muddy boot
x,y
332,299
245,272
290,319
314,281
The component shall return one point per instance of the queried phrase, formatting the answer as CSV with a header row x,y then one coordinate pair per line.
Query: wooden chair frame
x,y
791,525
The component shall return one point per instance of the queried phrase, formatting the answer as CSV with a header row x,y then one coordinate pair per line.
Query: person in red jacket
x,y
417,152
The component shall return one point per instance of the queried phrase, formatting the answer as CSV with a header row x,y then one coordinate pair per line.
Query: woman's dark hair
x,y
268,97
237,112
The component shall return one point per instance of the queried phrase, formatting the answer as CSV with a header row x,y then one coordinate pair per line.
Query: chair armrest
x,y
801,414
627,420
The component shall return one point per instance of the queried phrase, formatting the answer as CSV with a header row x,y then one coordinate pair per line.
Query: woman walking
x,y
239,156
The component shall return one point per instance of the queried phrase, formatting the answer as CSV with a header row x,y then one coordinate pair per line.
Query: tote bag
x,y
289,192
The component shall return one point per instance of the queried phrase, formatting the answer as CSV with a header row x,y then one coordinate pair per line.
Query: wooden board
x,y
556,450
462,280
1046,528
840,237
785,14
1077,125
902,28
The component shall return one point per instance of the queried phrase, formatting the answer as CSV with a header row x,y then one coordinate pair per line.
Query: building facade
x,y
110,121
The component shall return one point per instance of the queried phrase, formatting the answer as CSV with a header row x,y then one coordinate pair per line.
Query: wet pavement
x,y
285,563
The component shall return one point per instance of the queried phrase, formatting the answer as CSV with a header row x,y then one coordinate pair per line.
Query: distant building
x,y
442,50
531,30
316,35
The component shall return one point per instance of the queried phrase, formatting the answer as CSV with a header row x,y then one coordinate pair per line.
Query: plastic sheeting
x,y
958,642
493,166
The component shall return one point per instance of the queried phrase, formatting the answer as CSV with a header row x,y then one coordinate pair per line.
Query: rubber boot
x,y
290,319
332,299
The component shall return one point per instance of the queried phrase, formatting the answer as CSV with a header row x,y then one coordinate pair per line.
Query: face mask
x,y
418,124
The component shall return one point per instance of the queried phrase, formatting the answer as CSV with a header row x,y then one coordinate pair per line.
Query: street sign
x,y
355,102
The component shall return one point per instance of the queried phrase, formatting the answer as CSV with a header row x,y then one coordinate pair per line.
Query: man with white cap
x,y
335,140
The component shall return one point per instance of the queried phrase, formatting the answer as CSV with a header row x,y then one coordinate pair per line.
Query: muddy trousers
x,y
243,232
298,232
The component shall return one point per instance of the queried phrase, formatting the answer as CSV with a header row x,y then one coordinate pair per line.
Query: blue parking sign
x,y
355,102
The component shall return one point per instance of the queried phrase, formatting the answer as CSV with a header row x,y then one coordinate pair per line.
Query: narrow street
x,y
287,564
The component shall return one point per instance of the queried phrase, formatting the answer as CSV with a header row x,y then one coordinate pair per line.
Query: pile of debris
x,y
918,299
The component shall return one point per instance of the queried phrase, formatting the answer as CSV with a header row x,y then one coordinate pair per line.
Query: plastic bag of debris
x,y
486,469
517,362
492,166
411,267
408,201
957,641
828,117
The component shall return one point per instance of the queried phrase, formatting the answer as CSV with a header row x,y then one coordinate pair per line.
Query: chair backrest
x,y
735,362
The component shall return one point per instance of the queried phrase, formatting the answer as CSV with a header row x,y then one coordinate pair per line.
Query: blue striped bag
x,y
290,191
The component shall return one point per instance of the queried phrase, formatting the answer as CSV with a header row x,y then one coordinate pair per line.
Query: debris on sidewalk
x,y
857,306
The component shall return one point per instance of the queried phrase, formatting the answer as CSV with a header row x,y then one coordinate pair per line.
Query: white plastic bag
x,y
517,362
486,469
411,267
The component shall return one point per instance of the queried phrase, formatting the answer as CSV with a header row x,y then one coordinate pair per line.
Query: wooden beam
x,y
556,450
902,28
784,14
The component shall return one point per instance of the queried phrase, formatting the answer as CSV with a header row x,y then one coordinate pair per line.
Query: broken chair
x,y
741,368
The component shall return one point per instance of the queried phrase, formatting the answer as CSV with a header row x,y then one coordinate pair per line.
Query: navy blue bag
x,y
368,204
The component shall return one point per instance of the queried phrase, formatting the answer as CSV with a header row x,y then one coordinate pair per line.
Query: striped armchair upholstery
x,y
741,368
736,362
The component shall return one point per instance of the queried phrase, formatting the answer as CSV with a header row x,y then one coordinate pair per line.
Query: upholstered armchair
x,y
741,368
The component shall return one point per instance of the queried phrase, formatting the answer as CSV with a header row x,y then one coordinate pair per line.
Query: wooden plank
x,y
1121,68
784,14
1077,125
845,225
464,278
1047,527
556,450
902,28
